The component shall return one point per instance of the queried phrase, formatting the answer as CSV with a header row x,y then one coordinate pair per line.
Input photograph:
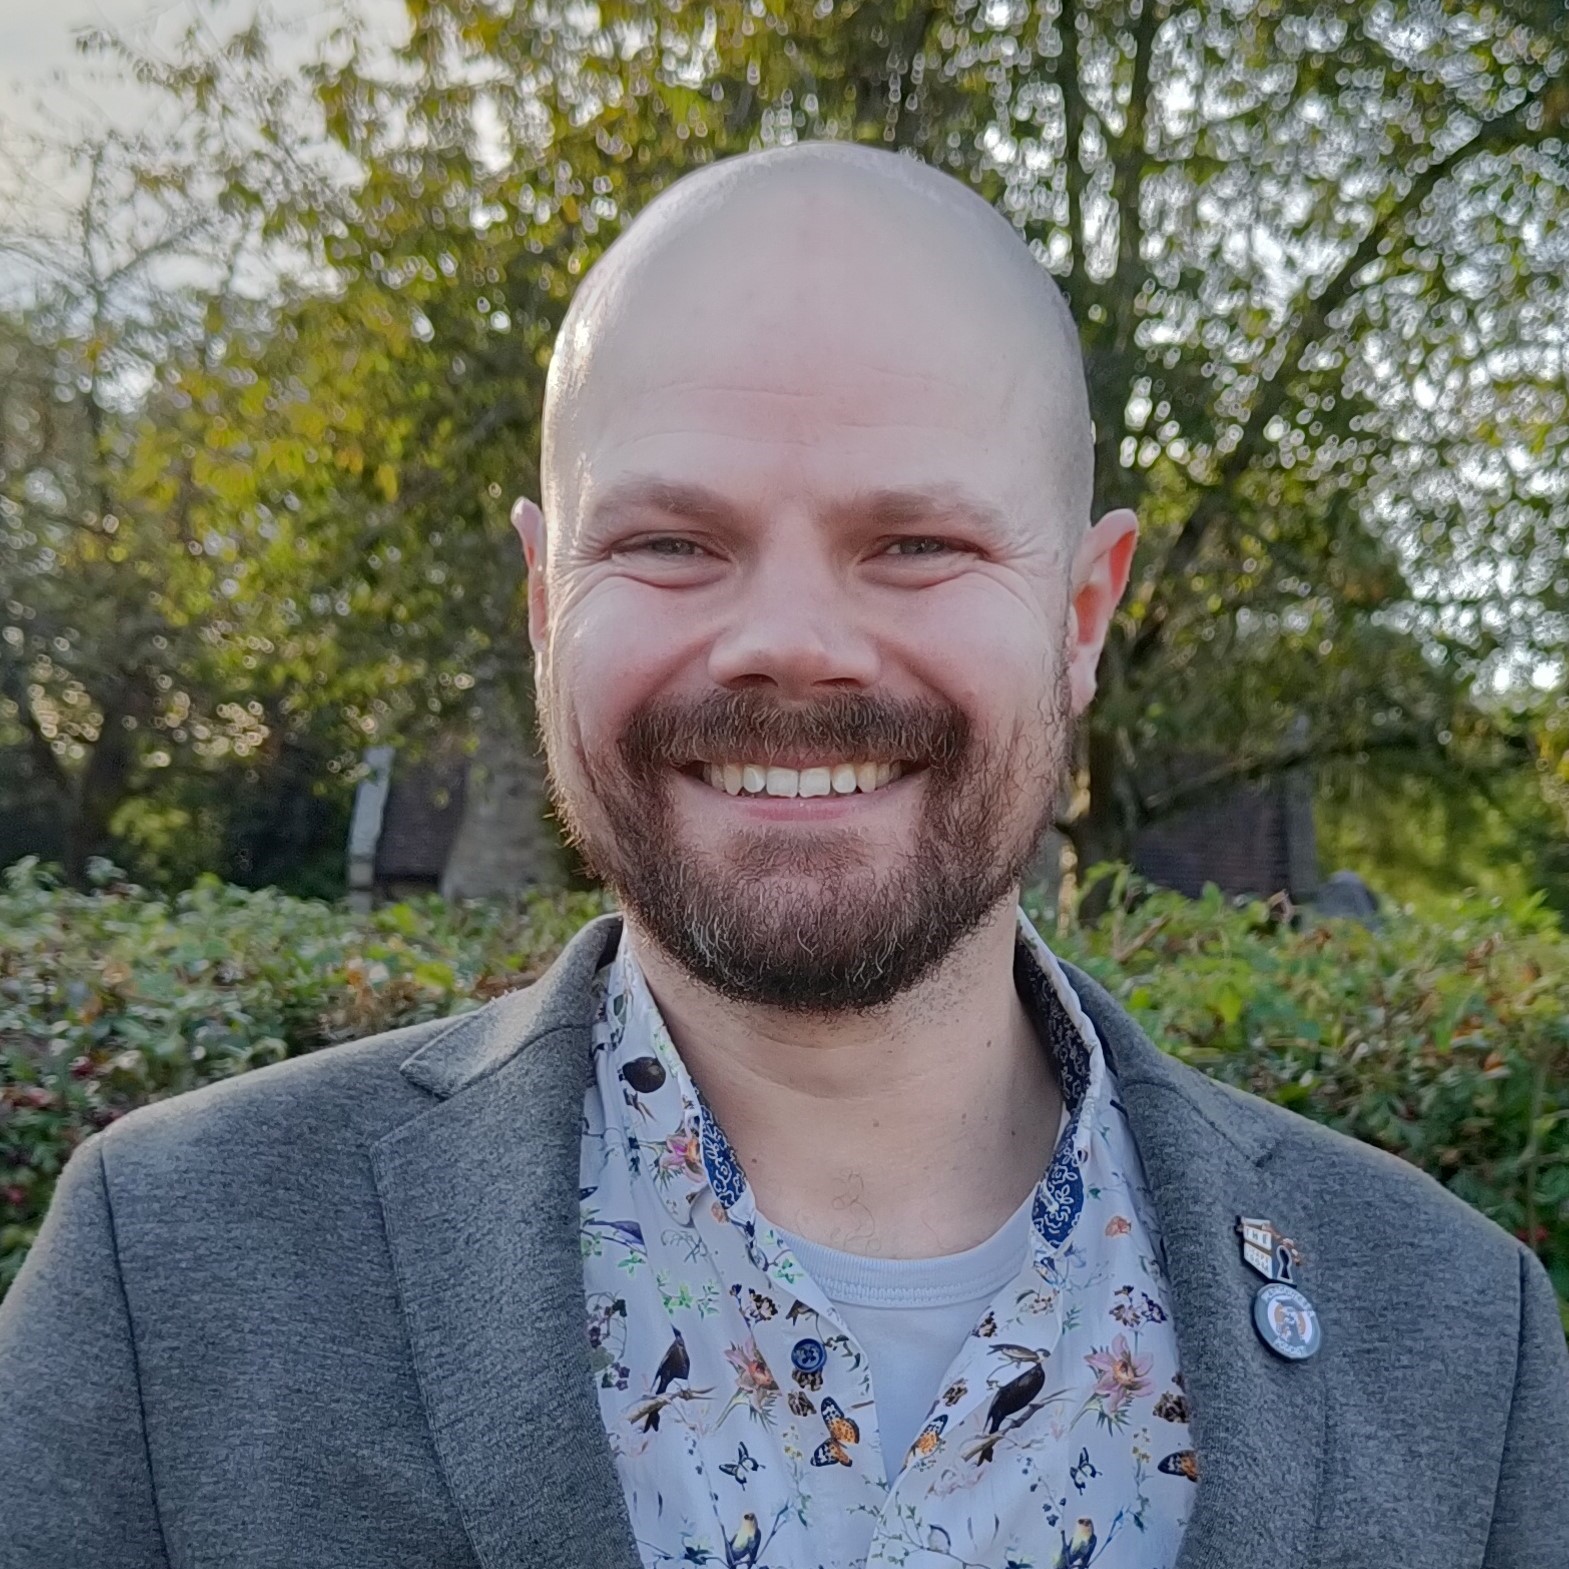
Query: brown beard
x,y
853,939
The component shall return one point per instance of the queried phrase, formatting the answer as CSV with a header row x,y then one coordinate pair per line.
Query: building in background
x,y
406,816
1249,839
467,824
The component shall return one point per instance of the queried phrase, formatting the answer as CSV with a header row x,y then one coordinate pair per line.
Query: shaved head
x,y
819,254
821,596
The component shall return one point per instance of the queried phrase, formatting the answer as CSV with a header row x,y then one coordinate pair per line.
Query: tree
x,y
357,432
102,655
1314,250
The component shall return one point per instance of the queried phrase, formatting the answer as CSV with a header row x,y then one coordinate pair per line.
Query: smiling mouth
x,y
838,778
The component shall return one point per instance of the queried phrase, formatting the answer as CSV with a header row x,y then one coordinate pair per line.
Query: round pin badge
x,y
1286,1321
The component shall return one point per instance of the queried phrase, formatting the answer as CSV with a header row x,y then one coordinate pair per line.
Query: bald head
x,y
821,596
833,275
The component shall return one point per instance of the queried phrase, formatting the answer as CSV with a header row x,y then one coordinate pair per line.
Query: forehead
x,y
822,349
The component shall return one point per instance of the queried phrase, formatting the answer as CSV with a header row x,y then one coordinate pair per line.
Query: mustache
x,y
751,725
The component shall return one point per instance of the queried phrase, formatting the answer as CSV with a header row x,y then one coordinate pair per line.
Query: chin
x,y
814,867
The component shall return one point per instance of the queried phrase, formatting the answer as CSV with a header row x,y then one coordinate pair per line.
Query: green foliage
x,y
1310,248
1493,817
1445,1041
136,694
116,997
1442,1039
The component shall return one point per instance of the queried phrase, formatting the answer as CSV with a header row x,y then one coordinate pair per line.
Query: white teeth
x,y
822,779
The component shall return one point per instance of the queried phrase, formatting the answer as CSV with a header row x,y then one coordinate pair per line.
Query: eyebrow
x,y
695,503
896,509
885,508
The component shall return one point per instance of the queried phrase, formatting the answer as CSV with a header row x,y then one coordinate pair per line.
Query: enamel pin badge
x,y
1285,1320
1266,1250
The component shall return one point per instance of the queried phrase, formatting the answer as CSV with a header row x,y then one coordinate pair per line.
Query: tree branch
x,y
1504,132
901,62
1127,172
1073,127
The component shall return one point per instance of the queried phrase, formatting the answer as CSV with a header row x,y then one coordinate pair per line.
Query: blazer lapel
x,y
1258,1421
480,1200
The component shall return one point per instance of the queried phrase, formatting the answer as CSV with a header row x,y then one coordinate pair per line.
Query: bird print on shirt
x,y
1014,1403
741,1549
625,1232
1018,1392
1078,1550
676,1364
927,1440
674,1367
756,1392
642,1076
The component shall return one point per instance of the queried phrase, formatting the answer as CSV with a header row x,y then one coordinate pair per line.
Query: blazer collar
x,y
480,1196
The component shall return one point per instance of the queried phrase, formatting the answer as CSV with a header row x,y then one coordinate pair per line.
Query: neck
x,y
911,1132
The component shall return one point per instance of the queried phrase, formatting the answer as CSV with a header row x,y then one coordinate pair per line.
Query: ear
x,y
529,521
1100,573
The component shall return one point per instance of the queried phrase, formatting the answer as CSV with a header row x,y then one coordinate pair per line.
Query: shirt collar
x,y
664,1114
1080,1062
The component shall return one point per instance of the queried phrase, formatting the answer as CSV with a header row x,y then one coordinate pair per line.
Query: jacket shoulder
x,y
336,1098
1361,1192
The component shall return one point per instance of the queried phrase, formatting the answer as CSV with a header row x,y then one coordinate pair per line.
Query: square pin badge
x,y
1267,1250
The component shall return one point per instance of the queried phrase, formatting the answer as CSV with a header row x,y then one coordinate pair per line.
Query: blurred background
x,y
277,294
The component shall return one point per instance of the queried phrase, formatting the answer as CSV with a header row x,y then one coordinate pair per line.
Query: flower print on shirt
x,y
680,1153
740,1410
1120,1376
754,1384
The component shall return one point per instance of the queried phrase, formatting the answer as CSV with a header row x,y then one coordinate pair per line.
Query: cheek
x,y
984,646
615,646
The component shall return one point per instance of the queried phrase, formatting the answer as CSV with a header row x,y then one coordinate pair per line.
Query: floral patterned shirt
x,y
740,1409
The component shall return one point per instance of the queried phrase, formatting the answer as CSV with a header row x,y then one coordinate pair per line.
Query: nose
x,y
794,626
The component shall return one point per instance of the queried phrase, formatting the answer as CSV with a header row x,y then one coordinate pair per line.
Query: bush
x,y
1443,1041
117,997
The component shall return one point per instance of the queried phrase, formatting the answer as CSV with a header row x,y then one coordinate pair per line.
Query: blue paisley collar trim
x,y
1076,1053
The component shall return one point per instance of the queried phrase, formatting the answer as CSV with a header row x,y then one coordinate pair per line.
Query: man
x,y
814,1213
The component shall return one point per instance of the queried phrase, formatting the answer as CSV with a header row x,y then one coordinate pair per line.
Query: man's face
x,y
802,666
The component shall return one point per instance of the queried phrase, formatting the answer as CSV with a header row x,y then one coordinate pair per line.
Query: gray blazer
x,y
330,1314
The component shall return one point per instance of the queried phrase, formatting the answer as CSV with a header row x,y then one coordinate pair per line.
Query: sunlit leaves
x,y
1317,254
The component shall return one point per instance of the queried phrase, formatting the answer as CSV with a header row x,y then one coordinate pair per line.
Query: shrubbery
x,y
1445,1041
